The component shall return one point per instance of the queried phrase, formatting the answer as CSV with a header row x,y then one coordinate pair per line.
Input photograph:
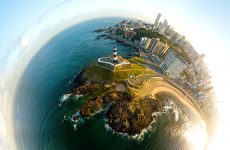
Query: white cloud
x,y
25,41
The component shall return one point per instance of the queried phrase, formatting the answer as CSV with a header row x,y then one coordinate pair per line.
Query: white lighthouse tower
x,y
113,62
115,54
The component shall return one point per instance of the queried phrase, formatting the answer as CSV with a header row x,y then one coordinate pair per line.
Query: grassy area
x,y
143,62
138,59
98,73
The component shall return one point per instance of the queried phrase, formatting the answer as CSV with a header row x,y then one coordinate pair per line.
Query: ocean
x,y
48,77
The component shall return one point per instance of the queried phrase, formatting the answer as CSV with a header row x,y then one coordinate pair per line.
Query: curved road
x,y
164,85
157,85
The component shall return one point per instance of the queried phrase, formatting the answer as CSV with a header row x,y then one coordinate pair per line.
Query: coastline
x,y
80,80
118,39
167,79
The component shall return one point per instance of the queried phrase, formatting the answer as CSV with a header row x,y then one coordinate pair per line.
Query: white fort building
x,y
113,62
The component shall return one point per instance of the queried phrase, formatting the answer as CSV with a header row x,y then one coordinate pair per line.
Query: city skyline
x,y
204,27
171,53
204,24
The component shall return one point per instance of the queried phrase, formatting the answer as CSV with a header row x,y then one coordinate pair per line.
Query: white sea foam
x,y
64,97
150,128
93,114
75,121
75,127
138,137
166,108
176,113
99,111
71,81
78,96
171,106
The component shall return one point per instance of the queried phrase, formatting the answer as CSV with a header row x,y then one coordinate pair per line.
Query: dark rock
x,y
87,89
90,107
132,117
126,114
115,96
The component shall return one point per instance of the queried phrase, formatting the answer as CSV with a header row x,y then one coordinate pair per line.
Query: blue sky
x,y
205,23
17,16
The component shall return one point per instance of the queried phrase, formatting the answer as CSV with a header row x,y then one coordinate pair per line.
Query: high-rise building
x,y
153,46
162,26
198,59
158,48
157,19
180,39
142,41
173,65
165,22
148,43
174,36
161,49
167,30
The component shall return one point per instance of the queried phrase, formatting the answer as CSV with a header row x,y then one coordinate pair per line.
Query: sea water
x,y
38,115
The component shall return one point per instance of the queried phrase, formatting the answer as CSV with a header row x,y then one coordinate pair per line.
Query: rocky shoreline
x,y
125,113
132,117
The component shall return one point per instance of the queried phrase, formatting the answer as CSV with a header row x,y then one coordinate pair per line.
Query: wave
x,y
75,76
176,114
95,113
170,106
78,96
65,97
137,137
82,120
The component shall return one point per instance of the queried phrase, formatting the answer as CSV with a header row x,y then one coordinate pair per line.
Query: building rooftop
x,y
178,56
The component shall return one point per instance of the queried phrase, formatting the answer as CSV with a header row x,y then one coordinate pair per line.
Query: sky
x,y
205,23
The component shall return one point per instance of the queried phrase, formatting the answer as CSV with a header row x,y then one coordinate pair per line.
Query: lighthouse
x,y
113,62
115,54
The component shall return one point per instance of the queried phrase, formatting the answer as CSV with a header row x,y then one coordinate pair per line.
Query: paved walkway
x,y
158,85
